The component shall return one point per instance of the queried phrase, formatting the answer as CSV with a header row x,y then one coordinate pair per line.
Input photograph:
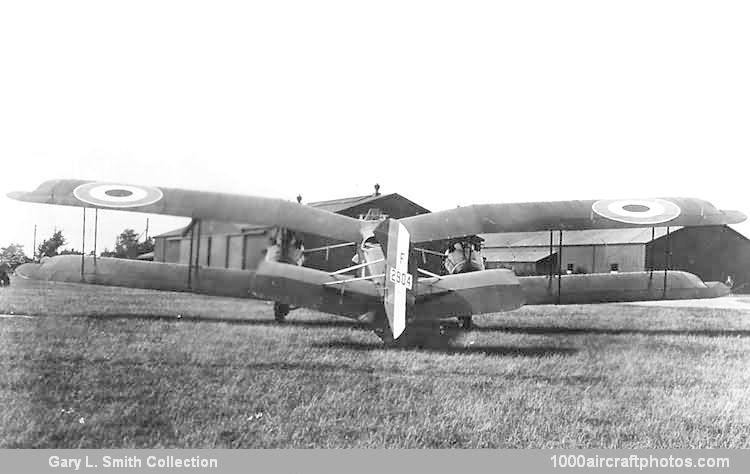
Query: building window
x,y
570,269
614,267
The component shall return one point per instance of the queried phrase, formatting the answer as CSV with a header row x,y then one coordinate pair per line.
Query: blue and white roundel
x,y
637,211
117,195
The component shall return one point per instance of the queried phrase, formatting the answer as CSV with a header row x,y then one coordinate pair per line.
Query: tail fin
x,y
394,239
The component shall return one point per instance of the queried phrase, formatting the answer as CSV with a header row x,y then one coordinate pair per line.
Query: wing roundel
x,y
117,195
637,211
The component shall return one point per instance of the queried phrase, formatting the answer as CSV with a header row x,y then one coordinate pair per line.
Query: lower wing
x,y
493,291
285,283
466,294
618,287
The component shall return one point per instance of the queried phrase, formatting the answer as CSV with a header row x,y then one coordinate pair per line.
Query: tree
x,y
126,245
49,247
12,256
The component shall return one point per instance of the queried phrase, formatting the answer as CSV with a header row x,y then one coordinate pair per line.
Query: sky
x,y
446,103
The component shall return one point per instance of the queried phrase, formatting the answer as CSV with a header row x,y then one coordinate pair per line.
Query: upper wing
x,y
566,215
195,204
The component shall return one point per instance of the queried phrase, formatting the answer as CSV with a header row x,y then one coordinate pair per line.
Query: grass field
x,y
107,367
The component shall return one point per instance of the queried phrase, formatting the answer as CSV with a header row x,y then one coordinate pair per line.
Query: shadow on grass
x,y
352,324
437,371
343,323
470,376
446,348
613,331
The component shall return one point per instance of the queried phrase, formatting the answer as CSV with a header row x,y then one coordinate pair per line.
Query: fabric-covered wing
x,y
619,287
466,294
494,291
195,204
277,281
566,215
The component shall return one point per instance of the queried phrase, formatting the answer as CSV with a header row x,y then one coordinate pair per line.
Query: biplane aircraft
x,y
386,288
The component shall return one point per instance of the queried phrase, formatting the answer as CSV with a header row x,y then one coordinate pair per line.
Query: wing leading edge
x,y
195,204
566,215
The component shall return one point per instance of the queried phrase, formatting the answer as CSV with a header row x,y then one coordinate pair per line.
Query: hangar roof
x,y
340,205
334,205
575,237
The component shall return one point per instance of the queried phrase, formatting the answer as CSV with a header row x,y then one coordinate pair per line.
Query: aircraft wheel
x,y
466,322
280,311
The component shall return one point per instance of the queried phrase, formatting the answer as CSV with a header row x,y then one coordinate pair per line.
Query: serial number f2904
x,y
400,278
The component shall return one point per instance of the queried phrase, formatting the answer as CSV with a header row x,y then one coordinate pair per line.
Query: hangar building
x,y
713,252
242,246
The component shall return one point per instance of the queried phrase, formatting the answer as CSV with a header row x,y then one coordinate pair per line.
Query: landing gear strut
x,y
280,310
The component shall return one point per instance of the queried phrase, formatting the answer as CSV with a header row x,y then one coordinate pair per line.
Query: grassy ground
x,y
106,367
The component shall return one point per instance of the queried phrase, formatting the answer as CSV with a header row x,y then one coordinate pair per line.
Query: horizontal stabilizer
x,y
466,294
301,286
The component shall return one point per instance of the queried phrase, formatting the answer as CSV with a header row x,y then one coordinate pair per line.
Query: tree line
x,y
127,245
